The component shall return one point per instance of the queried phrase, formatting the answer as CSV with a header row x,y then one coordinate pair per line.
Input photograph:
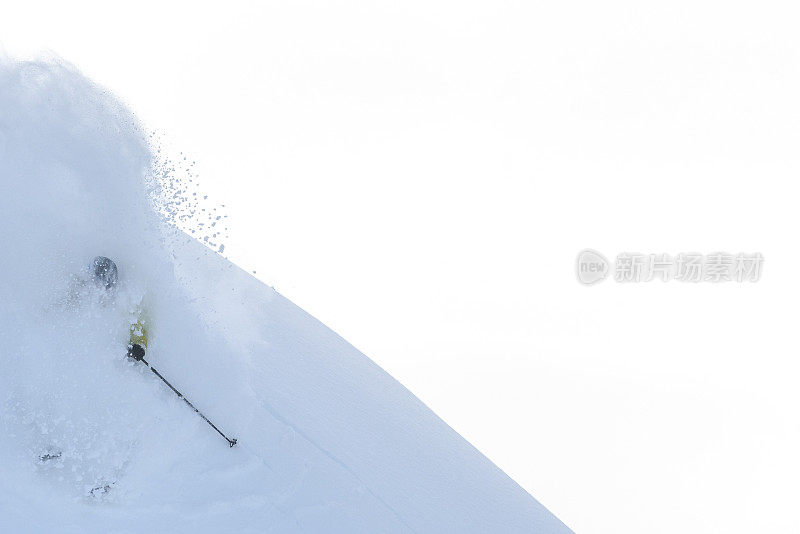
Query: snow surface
x,y
328,442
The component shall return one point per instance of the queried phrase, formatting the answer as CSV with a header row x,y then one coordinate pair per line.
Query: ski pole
x,y
231,442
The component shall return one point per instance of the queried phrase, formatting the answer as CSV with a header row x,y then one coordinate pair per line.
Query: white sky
x,y
420,176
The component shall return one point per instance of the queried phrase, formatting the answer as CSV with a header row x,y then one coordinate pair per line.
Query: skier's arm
x,y
138,340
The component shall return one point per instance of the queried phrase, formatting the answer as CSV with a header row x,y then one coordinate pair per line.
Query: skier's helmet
x,y
104,272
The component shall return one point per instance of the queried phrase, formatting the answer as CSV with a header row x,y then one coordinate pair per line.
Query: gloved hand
x,y
136,352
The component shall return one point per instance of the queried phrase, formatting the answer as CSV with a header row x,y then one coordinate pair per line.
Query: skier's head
x,y
104,272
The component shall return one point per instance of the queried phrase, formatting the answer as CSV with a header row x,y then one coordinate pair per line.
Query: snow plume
x,y
92,442
73,168
177,195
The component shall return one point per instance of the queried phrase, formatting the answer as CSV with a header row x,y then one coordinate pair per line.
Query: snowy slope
x,y
328,442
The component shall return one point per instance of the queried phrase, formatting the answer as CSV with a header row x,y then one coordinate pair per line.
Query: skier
x,y
105,275
100,281
102,272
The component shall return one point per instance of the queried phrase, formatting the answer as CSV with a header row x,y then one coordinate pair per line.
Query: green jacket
x,y
139,331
